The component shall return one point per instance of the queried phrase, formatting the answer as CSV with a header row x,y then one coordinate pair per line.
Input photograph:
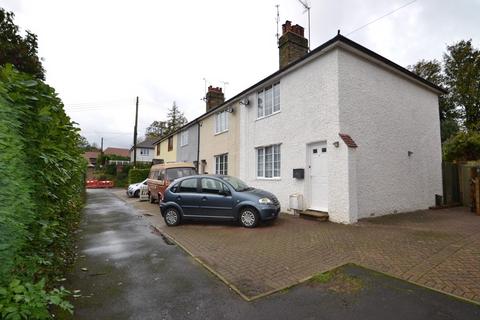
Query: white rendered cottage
x,y
364,131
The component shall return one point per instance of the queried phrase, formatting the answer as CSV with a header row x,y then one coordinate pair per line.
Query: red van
x,y
161,175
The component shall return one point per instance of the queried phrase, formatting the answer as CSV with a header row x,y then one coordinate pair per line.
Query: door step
x,y
317,215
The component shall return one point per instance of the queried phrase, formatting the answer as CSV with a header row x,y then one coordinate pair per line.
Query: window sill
x,y
261,118
269,179
184,145
216,134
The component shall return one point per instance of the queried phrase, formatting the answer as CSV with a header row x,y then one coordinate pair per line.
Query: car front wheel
x,y
136,194
248,218
172,217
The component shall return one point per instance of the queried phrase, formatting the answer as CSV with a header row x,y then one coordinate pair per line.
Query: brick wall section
x,y
215,97
292,44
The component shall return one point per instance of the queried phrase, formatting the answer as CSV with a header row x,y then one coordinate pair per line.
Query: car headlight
x,y
265,201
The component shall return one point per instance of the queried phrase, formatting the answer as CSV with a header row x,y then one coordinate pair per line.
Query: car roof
x,y
218,176
173,165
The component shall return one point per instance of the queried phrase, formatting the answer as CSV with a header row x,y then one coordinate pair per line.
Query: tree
x,y
17,50
463,146
175,119
85,146
156,129
462,77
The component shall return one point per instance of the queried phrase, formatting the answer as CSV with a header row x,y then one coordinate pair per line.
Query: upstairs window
x,y
221,122
183,138
158,149
144,151
268,101
170,144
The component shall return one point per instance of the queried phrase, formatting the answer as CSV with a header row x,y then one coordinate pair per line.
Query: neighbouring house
x,y
91,157
219,135
166,149
340,128
117,151
187,143
145,150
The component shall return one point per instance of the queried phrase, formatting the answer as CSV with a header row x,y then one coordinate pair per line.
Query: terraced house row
x,y
340,129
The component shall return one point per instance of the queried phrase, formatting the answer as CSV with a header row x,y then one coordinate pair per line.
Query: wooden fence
x,y
461,184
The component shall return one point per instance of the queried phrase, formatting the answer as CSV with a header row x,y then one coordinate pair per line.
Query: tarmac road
x,y
126,270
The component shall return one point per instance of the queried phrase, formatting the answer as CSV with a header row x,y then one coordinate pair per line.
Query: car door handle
x,y
179,198
204,199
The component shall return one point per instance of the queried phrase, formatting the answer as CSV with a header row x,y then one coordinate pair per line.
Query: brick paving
x,y
439,249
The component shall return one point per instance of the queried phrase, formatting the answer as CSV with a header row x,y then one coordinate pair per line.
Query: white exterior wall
x,y
141,157
388,115
309,113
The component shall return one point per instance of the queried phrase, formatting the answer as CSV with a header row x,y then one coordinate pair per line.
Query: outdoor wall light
x,y
410,153
336,144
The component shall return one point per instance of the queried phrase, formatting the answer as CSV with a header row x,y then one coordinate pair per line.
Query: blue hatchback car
x,y
217,197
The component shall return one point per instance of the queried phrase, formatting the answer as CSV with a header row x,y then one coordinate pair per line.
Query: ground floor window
x,y
221,164
268,161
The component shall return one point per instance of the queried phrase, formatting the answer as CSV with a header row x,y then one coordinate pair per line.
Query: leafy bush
x,y
31,301
43,169
137,175
462,146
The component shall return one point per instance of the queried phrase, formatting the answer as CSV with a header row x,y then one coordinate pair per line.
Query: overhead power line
x,y
379,18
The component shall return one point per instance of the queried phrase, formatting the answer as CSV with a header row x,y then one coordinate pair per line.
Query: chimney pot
x,y
214,97
292,44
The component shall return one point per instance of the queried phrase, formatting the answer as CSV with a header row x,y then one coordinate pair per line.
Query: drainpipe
x,y
198,147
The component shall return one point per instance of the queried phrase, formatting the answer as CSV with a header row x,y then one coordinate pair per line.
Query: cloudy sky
x,y
100,55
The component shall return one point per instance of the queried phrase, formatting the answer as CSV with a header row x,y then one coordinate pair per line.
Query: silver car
x,y
134,189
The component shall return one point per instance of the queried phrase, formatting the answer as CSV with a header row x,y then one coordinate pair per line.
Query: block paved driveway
x,y
437,249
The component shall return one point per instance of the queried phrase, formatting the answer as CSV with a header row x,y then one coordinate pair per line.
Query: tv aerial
x,y
307,7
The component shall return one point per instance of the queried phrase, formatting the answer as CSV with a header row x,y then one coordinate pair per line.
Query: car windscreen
x,y
236,183
175,173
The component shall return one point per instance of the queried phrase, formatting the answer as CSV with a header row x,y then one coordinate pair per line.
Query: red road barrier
x,y
94,184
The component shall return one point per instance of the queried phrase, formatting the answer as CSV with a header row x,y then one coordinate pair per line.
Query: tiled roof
x,y
147,143
348,140
117,151
91,154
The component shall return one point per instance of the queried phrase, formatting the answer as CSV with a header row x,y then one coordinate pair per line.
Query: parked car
x,y
217,197
161,175
134,189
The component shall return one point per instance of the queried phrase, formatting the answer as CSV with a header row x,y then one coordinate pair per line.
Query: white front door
x,y
318,176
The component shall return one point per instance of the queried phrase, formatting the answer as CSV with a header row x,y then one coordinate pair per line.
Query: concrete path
x,y
127,271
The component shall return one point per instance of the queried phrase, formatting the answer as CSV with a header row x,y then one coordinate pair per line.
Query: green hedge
x,y
42,177
137,175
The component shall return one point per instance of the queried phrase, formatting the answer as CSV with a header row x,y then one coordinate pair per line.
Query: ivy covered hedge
x,y
42,179
137,175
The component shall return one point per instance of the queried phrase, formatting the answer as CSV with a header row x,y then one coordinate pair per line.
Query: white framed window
x,y
221,122
183,138
221,164
268,100
144,151
268,161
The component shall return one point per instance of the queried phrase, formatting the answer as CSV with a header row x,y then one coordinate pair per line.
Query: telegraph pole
x,y
101,152
135,136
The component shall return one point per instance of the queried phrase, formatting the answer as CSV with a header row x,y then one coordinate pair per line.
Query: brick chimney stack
x,y
292,44
214,97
